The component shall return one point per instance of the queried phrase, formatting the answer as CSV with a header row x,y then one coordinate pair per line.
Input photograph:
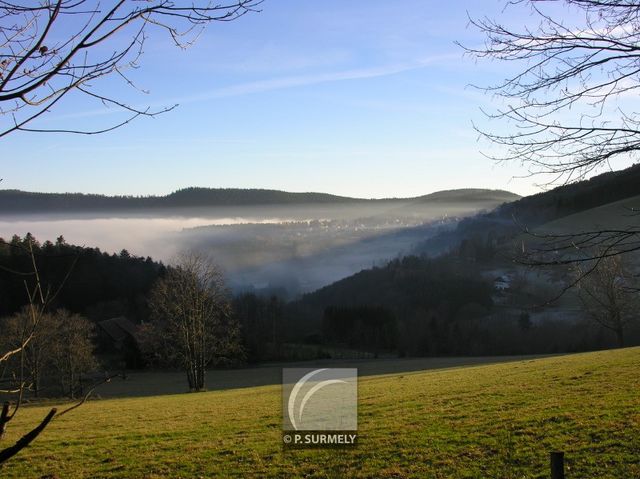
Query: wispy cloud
x,y
285,82
278,83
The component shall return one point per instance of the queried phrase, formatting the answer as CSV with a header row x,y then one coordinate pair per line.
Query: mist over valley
x,y
290,243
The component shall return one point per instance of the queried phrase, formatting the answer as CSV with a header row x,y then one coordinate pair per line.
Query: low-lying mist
x,y
289,249
142,236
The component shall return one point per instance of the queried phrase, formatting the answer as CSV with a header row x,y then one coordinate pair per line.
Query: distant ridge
x,y
600,200
17,201
470,194
586,198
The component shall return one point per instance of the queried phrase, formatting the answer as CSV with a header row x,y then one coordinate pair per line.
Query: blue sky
x,y
359,98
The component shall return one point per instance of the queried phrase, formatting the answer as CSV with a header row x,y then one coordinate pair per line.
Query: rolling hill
x,y
602,201
508,220
16,201
444,299
470,195
614,215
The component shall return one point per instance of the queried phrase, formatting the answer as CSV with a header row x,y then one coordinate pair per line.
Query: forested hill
x,y
532,211
488,230
442,300
16,201
470,195
400,281
12,201
96,284
575,197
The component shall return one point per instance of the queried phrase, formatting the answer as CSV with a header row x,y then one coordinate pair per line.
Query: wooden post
x,y
557,465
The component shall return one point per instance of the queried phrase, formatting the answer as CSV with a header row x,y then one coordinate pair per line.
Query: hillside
x,y
470,195
508,220
15,201
481,237
462,293
575,197
618,214
497,420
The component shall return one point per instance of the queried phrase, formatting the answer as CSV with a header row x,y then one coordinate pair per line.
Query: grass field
x,y
486,421
153,383
609,216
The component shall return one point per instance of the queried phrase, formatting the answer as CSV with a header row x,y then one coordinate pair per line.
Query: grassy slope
x,y
611,215
495,421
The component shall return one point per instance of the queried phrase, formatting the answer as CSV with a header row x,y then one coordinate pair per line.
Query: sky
x,y
365,98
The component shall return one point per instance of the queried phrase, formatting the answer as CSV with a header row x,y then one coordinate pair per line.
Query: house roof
x,y
118,329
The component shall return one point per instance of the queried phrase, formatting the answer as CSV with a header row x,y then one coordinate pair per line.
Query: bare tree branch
x,y
566,111
38,301
50,50
89,393
563,110
24,441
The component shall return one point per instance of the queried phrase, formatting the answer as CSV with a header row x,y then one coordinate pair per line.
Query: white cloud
x,y
284,82
278,83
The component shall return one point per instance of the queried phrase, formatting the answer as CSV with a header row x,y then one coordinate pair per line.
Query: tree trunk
x,y
190,377
201,383
36,381
620,336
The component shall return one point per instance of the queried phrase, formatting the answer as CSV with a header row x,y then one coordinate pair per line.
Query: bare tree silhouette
x,y
51,50
193,317
609,296
39,299
55,49
566,110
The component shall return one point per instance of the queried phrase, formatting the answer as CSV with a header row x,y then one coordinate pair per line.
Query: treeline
x,y
411,306
367,327
473,332
408,283
417,306
89,285
84,280
16,201
55,296
262,324
80,287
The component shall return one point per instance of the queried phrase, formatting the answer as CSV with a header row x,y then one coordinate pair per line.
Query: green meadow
x,y
482,421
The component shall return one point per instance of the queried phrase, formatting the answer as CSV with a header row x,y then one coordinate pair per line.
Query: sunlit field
x,y
497,421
